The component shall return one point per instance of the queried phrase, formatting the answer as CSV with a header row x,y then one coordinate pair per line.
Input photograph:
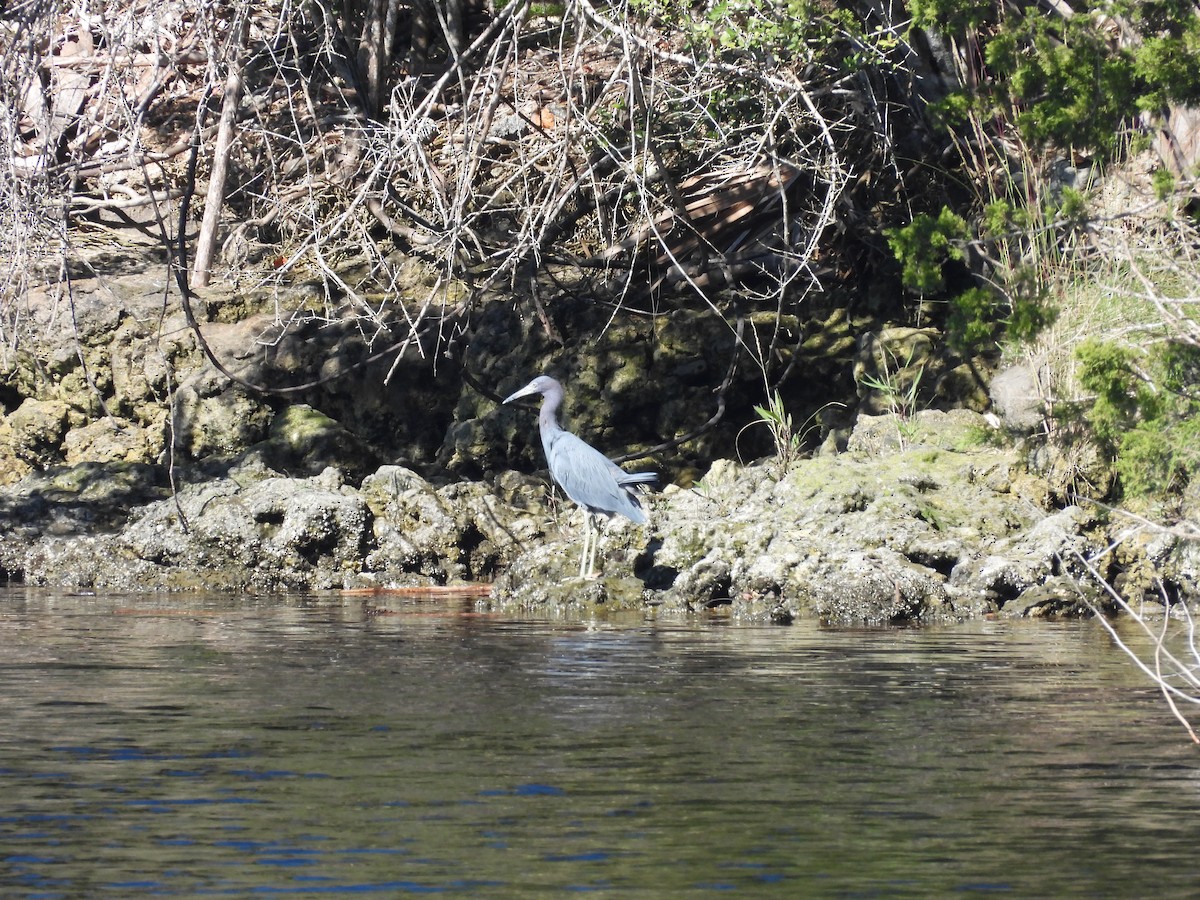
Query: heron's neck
x,y
548,414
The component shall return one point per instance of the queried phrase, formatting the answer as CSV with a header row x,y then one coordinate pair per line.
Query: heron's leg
x,y
595,543
583,553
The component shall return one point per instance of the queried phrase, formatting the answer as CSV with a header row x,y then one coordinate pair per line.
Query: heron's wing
x,y
589,477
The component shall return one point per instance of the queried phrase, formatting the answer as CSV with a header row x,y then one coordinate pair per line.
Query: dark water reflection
x,y
234,746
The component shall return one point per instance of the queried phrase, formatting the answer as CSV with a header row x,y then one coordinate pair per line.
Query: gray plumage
x,y
585,474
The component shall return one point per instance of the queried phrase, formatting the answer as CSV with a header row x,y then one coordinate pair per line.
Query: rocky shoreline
x,y
924,523
313,407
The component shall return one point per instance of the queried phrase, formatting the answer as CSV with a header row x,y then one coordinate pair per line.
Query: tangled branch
x,y
409,158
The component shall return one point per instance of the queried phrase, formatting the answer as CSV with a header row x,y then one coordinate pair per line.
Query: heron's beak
x,y
523,392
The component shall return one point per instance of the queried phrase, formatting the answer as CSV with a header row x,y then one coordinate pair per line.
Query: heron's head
x,y
543,384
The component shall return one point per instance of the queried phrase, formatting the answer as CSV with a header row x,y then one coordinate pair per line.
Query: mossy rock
x,y
304,440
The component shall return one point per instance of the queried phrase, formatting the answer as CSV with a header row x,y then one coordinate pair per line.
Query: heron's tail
x,y
625,479
632,484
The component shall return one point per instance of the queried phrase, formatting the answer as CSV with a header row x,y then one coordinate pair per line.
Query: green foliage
x,y
1029,316
1072,209
1073,90
1106,370
973,319
1002,217
899,384
1076,81
806,31
954,16
1163,182
1180,364
925,246
977,315
1146,412
779,421
1167,60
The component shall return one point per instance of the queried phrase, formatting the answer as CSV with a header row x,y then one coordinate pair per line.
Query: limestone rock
x,y
211,420
304,440
107,440
1017,395
38,428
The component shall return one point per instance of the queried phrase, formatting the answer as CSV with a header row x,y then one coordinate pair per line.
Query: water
x,y
232,746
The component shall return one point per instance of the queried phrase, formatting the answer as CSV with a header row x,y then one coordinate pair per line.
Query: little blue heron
x,y
587,476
